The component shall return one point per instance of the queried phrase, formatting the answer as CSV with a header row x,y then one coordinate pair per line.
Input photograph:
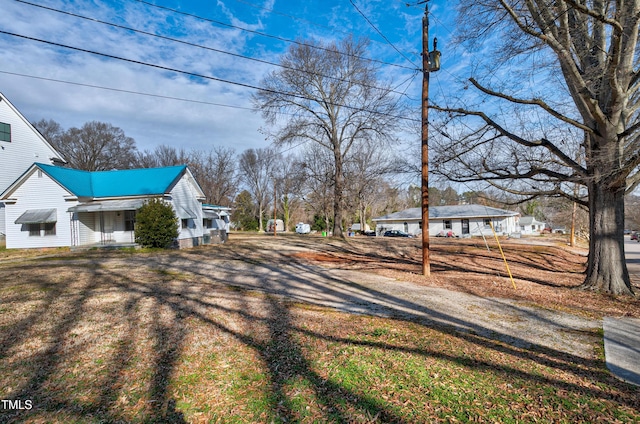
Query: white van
x,y
302,228
279,226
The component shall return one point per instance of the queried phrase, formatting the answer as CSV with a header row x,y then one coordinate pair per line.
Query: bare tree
x,y
289,176
163,155
257,170
216,172
589,50
364,172
331,96
50,130
97,146
317,170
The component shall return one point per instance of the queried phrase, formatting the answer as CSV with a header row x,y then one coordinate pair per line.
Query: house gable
x,y
36,194
20,145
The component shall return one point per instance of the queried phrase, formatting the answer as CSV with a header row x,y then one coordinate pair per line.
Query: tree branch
x,y
533,102
541,143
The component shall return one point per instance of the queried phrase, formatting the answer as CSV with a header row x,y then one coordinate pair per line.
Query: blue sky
x,y
52,82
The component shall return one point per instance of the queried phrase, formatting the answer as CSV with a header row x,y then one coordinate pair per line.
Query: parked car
x,y
447,233
369,233
396,233
634,236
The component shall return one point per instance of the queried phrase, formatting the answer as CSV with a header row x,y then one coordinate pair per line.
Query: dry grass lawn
x,y
122,336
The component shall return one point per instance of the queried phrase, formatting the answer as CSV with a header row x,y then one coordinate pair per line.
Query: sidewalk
x,y
622,348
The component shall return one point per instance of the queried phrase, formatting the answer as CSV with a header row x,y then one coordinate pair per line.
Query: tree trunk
x,y
260,222
363,219
286,212
606,268
338,193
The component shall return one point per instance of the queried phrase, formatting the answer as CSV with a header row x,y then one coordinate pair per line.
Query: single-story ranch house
x,y
530,225
462,220
52,206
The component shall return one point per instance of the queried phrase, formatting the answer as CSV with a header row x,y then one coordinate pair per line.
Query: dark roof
x,y
448,212
529,220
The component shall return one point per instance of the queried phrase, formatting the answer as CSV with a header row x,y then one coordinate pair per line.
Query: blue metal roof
x,y
120,183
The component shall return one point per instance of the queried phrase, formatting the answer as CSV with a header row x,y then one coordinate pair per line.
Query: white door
x,y
108,222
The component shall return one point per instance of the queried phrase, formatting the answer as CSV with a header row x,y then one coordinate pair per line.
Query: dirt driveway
x,y
469,290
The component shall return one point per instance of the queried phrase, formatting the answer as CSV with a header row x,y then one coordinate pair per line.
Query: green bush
x,y
156,224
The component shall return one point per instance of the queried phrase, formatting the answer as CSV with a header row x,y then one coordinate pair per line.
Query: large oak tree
x,y
555,113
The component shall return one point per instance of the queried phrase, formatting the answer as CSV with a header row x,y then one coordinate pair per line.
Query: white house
x,y
51,206
215,217
20,146
530,225
461,220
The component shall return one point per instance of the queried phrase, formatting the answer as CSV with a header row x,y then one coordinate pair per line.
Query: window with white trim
x,y
5,132
38,230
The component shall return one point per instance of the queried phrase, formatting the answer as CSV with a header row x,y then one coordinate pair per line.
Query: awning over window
x,y
219,224
184,212
109,205
214,212
209,214
38,216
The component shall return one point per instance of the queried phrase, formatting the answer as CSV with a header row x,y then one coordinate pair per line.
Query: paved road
x,y
632,250
622,335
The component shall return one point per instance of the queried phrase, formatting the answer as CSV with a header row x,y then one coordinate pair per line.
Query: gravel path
x,y
363,293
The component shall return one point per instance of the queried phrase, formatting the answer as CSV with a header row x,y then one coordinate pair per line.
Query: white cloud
x,y
151,120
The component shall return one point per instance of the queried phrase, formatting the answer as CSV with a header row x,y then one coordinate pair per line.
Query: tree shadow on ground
x,y
42,352
142,309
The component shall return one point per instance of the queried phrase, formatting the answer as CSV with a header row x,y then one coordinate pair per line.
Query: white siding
x,y
503,225
102,227
3,227
16,156
477,227
26,146
110,228
38,192
184,195
85,225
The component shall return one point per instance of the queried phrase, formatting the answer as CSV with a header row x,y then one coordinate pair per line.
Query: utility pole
x,y
430,63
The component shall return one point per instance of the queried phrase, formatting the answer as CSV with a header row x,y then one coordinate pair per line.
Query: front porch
x,y
104,223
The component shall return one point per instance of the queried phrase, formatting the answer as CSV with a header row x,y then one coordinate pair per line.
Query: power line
x,y
162,37
193,74
305,21
119,90
382,35
299,19
263,34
